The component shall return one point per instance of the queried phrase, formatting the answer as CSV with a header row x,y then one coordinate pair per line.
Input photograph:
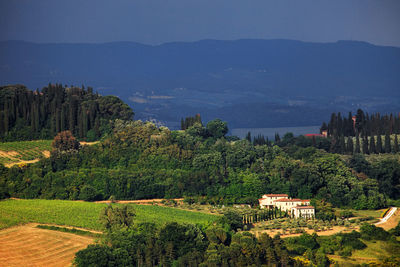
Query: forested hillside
x,y
139,160
41,114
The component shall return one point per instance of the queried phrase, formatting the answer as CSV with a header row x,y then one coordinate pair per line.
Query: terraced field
x,y
12,153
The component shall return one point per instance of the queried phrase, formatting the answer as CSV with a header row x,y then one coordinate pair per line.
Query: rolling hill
x,y
249,83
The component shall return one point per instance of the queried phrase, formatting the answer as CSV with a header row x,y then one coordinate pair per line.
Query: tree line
x,y
138,161
41,114
362,124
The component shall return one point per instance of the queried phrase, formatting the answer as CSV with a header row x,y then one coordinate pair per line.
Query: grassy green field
x,y
86,214
11,152
373,253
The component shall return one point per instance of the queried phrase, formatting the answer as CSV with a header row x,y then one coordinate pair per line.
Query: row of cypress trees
x,y
365,145
26,114
362,124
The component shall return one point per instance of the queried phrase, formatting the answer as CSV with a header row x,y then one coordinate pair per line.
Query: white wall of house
x,y
307,213
288,205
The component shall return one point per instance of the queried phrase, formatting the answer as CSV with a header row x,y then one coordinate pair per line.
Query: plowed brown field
x,y
30,246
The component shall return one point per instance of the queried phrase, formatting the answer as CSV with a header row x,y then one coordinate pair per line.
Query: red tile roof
x,y
316,135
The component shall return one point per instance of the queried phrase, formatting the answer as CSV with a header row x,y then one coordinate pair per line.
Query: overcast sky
x,y
159,21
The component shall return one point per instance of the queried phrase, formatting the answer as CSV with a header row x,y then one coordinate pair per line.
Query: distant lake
x,y
270,132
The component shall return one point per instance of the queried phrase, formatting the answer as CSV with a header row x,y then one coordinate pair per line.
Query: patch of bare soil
x,y
392,221
46,153
30,246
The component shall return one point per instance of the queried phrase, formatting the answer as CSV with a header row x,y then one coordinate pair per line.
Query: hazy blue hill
x,y
241,81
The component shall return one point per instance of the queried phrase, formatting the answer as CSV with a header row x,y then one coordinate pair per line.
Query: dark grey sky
x,y
159,21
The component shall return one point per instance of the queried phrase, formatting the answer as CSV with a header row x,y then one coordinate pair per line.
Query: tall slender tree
x,y
365,145
350,145
396,147
388,148
372,148
379,144
358,149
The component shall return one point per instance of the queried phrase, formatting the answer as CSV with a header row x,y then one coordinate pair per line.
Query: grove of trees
x,y
27,115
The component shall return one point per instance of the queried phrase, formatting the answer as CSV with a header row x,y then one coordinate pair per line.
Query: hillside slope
x,y
249,83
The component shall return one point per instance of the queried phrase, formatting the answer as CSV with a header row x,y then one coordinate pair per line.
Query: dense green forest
x,y
139,160
27,115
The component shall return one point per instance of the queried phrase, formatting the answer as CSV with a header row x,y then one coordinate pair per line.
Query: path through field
x,y
30,246
391,219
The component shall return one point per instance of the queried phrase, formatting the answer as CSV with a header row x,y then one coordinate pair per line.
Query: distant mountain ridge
x,y
249,83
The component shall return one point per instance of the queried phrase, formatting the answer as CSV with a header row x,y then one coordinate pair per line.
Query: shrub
x,y
371,232
345,252
93,255
88,193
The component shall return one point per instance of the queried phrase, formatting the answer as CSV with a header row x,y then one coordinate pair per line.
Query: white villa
x,y
296,207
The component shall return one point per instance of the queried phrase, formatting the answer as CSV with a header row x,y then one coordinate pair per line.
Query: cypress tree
x,y
379,144
365,145
182,124
277,138
1,124
372,148
62,119
342,145
6,117
339,124
396,144
388,148
248,137
358,149
350,145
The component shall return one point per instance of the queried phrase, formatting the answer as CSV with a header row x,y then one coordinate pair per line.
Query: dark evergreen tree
x,y
372,148
388,148
379,144
277,138
358,149
396,147
350,145
342,145
248,137
365,145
